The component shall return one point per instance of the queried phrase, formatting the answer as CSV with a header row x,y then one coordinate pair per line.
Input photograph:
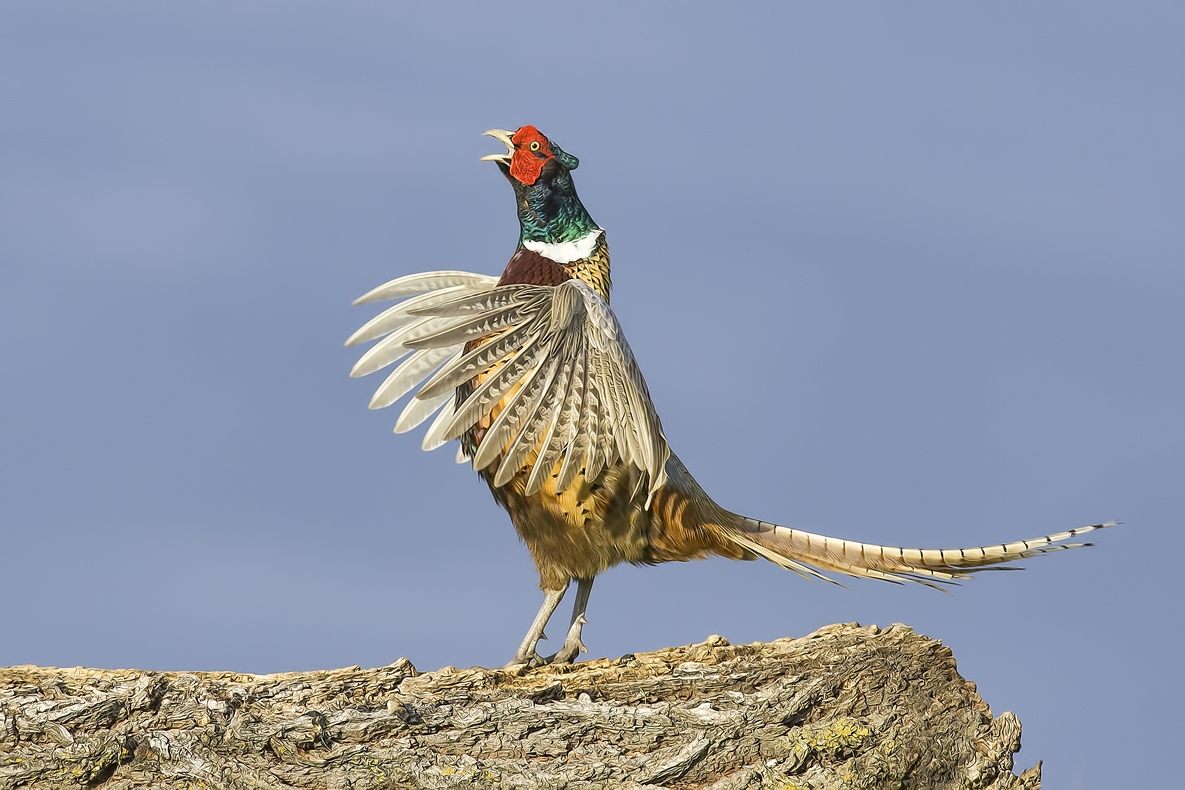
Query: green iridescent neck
x,y
550,211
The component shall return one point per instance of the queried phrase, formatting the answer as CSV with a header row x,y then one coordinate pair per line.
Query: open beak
x,y
504,136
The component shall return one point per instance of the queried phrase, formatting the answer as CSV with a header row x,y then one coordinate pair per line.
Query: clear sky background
x,y
905,273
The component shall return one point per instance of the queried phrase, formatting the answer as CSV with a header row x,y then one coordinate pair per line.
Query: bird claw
x,y
530,661
569,652
573,645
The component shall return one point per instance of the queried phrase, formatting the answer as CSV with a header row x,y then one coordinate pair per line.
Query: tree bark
x,y
846,707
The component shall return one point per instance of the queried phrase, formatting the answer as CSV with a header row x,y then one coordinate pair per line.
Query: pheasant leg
x,y
573,646
526,651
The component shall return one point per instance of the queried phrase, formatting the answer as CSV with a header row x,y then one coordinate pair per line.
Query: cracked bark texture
x,y
846,707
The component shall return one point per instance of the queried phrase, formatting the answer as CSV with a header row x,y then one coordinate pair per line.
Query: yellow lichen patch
x,y
833,740
843,734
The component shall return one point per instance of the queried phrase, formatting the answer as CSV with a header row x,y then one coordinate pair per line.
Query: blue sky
x,y
909,274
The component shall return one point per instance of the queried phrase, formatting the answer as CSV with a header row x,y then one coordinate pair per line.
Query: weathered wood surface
x,y
844,707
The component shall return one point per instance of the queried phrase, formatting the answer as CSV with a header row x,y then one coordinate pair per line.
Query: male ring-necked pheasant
x,y
531,372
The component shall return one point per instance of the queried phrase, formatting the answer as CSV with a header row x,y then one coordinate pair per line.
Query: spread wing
x,y
555,361
396,326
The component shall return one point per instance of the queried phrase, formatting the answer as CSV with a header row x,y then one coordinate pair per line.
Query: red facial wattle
x,y
531,152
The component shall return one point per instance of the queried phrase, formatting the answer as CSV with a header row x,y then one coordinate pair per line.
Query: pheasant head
x,y
540,172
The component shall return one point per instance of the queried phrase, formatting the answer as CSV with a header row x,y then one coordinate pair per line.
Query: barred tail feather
x,y
796,549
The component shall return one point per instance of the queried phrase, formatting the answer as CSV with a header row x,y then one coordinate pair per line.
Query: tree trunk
x,y
844,707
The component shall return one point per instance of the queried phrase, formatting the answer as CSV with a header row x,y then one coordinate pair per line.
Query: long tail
x,y
799,551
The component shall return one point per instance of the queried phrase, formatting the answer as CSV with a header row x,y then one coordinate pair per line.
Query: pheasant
x,y
532,373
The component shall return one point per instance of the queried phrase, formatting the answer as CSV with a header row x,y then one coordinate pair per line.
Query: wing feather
x,y
480,359
402,324
481,302
506,424
468,328
394,346
394,317
576,430
409,374
415,412
551,445
534,422
435,436
491,391
421,282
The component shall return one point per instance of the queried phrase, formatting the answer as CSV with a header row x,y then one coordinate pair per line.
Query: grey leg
x,y
572,644
526,651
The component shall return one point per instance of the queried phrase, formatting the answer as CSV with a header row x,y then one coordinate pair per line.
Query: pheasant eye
x,y
534,145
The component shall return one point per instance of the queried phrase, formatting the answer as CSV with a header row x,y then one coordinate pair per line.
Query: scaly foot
x,y
573,646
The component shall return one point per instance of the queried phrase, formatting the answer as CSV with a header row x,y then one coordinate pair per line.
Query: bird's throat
x,y
550,212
